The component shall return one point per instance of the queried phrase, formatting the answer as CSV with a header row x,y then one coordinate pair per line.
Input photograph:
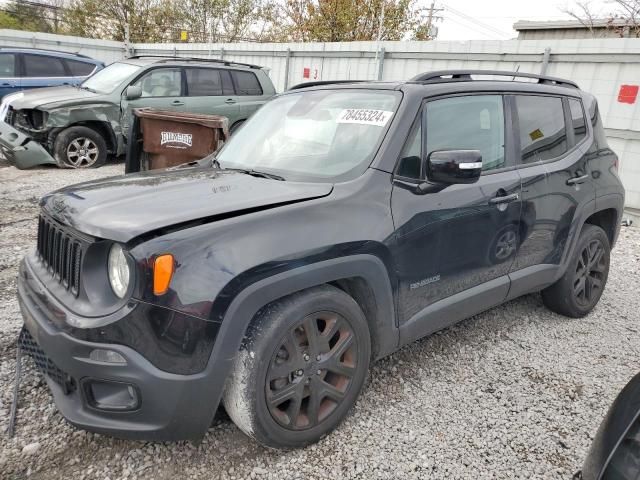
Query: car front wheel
x,y
300,368
80,147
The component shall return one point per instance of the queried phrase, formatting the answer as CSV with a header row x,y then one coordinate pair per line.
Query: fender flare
x,y
594,206
574,234
613,201
247,303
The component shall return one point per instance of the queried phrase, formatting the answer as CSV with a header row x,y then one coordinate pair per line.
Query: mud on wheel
x,y
300,369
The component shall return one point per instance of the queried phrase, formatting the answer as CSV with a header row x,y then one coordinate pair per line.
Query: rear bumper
x,y
21,150
171,406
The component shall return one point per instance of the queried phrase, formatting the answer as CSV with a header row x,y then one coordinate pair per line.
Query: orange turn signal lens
x,y
162,273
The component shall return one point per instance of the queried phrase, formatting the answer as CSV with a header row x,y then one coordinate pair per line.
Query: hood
x,y
52,97
122,208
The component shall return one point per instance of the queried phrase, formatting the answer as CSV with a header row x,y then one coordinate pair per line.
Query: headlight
x,y
6,101
118,271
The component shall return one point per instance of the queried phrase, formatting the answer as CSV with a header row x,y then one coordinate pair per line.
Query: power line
x,y
476,21
482,32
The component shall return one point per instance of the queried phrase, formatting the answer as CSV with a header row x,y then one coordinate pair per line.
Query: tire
x,y
279,413
80,147
234,128
578,291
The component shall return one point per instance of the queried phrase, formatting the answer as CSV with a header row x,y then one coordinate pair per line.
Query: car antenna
x,y
516,71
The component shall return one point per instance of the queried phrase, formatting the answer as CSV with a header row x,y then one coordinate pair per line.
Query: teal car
x,y
79,126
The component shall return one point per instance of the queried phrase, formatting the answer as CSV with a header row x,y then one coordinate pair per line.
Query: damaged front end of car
x,y
24,136
23,147
31,122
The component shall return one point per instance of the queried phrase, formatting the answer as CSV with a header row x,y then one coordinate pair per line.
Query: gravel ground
x,y
516,392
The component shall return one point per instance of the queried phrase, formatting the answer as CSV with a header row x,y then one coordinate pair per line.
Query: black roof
x,y
443,77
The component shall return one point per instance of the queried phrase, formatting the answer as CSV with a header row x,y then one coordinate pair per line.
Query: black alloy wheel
x,y
311,370
578,291
300,368
590,273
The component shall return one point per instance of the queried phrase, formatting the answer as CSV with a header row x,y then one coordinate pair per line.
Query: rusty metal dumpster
x,y
163,138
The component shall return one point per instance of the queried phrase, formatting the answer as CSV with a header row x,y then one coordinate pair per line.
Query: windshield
x,y
313,136
109,78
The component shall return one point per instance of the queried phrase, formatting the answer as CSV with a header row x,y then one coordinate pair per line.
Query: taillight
x,y
616,163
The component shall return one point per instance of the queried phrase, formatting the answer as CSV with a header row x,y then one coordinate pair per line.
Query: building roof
x,y
567,24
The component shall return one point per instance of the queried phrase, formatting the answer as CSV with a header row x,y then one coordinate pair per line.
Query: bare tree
x,y
626,19
622,17
583,12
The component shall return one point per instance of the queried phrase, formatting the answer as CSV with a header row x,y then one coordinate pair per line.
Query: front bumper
x,y
21,150
171,406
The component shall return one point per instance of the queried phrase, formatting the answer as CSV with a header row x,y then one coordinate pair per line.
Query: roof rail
x,y
441,76
35,49
323,82
166,58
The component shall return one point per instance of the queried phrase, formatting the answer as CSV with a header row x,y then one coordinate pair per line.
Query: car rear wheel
x,y
300,368
234,128
80,147
579,289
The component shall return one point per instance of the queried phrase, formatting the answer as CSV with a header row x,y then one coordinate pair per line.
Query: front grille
x,y
44,364
61,252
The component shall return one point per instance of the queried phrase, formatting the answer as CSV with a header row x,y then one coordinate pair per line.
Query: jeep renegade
x,y
344,221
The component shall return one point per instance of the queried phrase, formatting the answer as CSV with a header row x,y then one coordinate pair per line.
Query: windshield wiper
x,y
249,171
256,173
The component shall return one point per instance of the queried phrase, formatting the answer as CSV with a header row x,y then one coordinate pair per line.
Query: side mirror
x,y
454,166
133,92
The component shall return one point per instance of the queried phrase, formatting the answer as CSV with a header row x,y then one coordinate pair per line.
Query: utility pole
x,y
379,60
127,41
431,18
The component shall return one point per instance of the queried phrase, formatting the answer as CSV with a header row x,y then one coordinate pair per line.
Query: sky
x,y
494,19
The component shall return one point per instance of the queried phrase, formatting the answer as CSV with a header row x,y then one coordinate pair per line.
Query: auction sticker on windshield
x,y
365,116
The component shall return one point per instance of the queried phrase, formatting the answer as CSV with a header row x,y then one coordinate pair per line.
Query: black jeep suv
x,y
343,221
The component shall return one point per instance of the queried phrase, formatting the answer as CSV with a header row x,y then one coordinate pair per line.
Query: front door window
x,y
161,82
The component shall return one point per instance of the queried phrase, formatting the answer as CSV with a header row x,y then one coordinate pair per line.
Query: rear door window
x,y
577,119
207,82
543,135
7,65
43,66
80,69
246,83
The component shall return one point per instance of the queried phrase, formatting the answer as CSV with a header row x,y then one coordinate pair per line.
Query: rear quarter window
x,y
246,83
577,119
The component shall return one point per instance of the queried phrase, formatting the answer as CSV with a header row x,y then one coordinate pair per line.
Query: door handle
x,y
7,85
578,180
177,103
504,199
229,101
